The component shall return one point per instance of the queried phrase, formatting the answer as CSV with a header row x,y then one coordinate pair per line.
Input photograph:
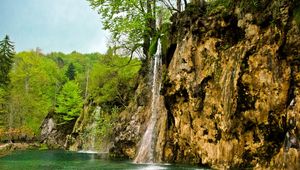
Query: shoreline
x,y
7,148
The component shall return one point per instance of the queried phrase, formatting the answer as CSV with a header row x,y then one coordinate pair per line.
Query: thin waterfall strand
x,y
146,150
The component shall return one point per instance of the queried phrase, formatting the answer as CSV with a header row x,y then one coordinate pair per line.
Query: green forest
x,y
38,83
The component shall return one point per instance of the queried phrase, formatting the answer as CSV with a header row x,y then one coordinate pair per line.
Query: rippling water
x,y
58,159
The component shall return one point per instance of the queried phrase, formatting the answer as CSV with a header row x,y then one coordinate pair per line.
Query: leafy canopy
x,y
69,101
34,84
113,80
126,20
132,23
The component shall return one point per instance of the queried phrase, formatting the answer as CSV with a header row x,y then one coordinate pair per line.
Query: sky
x,y
52,25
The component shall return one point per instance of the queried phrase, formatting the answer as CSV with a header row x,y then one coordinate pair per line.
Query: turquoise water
x,y
57,159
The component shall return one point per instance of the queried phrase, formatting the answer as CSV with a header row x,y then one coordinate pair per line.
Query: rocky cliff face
x,y
230,97
86,135
231,82
54,134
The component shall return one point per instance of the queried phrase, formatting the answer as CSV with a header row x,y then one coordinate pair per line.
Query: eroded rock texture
x,y
231,91
54,134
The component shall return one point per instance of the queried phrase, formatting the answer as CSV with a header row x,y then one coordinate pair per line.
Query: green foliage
x,y
123,18
297,15
69,101
70,73
133,23
106,122
35,81
6,59
3,97
153,45
43,146
113,79
252,5
222,6
3,109
216,6
39,84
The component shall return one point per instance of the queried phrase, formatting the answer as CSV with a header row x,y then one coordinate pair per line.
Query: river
x,y
66,160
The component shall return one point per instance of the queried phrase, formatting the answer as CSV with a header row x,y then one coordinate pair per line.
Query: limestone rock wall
x,y
54,134
230,91
232,88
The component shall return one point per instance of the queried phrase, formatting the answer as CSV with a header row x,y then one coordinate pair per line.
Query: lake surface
x,y
58,159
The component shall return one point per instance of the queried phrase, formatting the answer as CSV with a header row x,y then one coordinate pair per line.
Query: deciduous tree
x,y
131,22
69,101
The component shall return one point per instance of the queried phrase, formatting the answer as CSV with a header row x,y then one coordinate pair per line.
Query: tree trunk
x,y
87,84
185,3
26,86
179,5
150,27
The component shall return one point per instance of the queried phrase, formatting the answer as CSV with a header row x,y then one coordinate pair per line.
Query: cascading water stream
x,y
91,138
146,150
94,128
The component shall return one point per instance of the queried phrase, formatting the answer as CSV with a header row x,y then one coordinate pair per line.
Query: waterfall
x,y
92,132
94,129
146,150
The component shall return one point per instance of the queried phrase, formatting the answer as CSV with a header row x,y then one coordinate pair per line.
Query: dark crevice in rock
x,y
273,134
170,53
169,101
244,101
291,92
184,94
218,136
199,92
231,34
255,136
266,21
249,126
247,158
